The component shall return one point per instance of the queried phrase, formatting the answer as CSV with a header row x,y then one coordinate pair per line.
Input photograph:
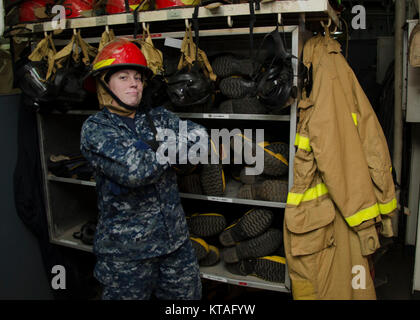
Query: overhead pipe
x,y
400,6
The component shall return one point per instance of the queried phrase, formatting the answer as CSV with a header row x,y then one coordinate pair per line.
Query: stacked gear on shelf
x,y
253,247
191,87
203,227
73,166
235,83
54,80
272,183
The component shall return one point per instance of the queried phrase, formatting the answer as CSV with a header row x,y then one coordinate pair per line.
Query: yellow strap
x,y
363,215
354,115
302,142
388,207
207,214
310,194
275,259
202,242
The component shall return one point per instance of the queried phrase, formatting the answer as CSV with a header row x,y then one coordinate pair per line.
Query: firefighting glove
x,y
368,237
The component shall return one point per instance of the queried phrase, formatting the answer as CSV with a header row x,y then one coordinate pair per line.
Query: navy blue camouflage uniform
x,y
142,241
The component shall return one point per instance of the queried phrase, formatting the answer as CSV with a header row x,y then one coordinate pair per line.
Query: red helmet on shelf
x,y
33,10
120,6
161,4
75,8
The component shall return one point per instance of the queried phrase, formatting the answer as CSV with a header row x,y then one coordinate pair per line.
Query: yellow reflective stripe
x,y
363,215
302,142
388,207
310,194
354,115
103,63
133,6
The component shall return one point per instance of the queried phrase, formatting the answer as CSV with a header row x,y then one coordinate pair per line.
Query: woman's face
x,y
127,85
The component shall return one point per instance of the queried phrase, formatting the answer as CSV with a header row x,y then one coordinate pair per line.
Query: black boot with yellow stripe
x,y
207,255
269,268
263,245
206,224
251,224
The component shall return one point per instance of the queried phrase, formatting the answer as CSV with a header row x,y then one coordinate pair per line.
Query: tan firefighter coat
x,y
343,188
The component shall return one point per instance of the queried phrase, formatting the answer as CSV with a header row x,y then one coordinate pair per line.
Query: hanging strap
x,y
196,30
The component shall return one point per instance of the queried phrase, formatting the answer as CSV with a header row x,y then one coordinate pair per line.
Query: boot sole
x,y
252,224
207,224
201,248
229,65
212,180
260,246
236,88
272,165
268,268
212,258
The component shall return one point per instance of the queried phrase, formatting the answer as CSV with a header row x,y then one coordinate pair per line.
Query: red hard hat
x,y
118,6
123,54
27,9
160,4
74,8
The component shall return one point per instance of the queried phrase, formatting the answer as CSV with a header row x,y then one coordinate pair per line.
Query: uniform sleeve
x,y
129,163
187,135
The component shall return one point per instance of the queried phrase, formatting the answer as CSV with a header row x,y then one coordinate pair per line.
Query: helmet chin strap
x,y
118,100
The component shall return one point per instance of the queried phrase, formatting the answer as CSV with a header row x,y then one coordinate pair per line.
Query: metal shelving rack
x,y
61,226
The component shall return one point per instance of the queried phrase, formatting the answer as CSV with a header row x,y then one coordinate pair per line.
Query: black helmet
x,y
189,87
30,77
275,85
275,81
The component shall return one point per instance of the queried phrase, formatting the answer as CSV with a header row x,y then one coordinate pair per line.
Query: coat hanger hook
x,y
187,24
107,29
279,19
229,21
74,32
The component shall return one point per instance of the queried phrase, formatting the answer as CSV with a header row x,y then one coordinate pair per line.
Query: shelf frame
x,y
227,10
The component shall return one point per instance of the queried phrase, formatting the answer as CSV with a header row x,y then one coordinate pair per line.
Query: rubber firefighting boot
x,y
212,258
268,190
206,224
212,180
237,87
200,246
263,245
227,65
269,268
251,224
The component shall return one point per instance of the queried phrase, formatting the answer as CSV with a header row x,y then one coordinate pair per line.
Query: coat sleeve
x,y
376,151
129,163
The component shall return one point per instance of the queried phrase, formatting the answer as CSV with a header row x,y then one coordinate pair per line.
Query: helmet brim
x,y
148,73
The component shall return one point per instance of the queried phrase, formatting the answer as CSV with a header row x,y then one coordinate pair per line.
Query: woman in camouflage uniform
x,y
142,242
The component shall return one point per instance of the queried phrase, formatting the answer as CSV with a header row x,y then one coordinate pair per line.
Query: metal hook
x,y
187,24
328,25
107,29
279,19
229,21
74,32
